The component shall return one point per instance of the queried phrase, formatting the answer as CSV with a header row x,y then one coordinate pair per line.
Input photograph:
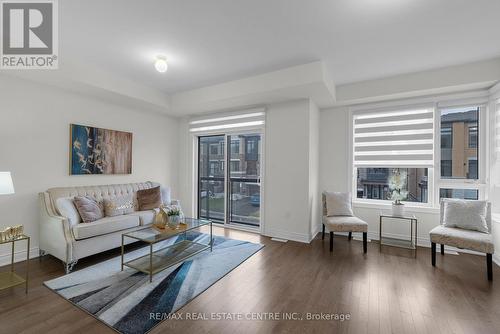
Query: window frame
x,y
482,160
435,183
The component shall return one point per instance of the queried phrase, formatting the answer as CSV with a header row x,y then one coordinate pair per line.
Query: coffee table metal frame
x,y
165,257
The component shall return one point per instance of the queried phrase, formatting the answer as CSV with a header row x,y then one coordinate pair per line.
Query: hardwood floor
x,y
383,292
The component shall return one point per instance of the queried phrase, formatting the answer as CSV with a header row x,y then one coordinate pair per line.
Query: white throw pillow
x,y
67,209
338,204
165,195
469,215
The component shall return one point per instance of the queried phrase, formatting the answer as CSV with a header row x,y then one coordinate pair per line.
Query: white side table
x,y
394,242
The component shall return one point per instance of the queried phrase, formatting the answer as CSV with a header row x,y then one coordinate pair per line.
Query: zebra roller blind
x,y
401,138
246,119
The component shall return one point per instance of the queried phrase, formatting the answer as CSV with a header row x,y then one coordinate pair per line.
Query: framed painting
x,y
99,151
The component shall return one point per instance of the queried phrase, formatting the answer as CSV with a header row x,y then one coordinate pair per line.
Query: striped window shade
x,y
403,138
247,119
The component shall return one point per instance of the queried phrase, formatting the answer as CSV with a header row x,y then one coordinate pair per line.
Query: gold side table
x,y
401,243
10,279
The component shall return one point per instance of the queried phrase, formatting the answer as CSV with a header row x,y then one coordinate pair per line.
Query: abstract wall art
x,y
99,151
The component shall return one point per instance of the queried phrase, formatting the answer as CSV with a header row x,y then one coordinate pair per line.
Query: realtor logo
x,y
29,34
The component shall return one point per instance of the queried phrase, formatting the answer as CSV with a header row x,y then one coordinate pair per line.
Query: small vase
x,y
173,221
398,209
160,220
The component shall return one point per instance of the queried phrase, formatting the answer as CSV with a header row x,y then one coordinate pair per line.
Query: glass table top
x,y
153,234
389,214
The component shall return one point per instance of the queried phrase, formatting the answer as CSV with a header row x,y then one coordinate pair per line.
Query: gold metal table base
x,y
11,279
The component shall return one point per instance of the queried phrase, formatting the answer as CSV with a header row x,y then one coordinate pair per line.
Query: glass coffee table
x,y
165,257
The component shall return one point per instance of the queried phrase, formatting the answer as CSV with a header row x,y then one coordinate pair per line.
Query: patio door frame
x,y
196,198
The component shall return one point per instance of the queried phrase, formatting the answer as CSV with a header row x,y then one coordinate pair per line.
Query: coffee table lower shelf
x,y
161,259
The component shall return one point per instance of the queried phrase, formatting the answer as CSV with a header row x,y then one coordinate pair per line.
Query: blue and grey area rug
x,y
125,299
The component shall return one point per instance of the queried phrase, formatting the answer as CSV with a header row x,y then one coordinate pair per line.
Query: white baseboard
x,y
293,236
18,256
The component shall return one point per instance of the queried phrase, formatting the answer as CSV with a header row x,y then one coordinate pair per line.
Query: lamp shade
x,y
6,185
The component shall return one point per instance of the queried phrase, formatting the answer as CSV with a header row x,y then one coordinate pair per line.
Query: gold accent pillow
x,y
119,205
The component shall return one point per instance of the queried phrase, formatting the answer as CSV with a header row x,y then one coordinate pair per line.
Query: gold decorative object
x,y
11,232
160,219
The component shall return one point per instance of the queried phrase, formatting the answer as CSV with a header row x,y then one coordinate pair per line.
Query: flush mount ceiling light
x,y
161,64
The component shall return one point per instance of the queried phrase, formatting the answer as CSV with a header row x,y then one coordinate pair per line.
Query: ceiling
x,y
209,42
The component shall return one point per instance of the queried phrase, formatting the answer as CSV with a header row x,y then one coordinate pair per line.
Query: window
x,y
446,168
459,126
235,148
446,137
392,141
214,149
252,148
472,170
472,136
215,167
235,166
459,193
393,153
375,183
460,164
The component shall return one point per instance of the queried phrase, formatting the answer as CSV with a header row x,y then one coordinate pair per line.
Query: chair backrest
x,y
444,200
323,200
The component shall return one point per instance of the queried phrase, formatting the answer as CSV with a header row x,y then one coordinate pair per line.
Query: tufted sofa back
x,y
99,192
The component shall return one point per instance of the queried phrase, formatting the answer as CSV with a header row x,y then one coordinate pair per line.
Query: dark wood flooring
x,y
383,292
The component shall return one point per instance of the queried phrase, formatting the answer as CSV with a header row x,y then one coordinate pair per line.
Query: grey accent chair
x,y
463,239
347,224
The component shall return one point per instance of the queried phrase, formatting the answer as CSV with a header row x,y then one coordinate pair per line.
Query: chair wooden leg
x,y
331,241
489,264
442,249
433,253
365,242
323,235
350,236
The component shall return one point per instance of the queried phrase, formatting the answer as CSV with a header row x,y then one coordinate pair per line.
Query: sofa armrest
x,y
56,237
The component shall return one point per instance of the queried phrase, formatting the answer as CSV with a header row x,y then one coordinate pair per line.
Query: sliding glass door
x,y
211,178
229,183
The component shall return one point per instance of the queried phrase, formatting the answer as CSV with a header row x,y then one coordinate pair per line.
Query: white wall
x,y
34,146
314,191
334,176
287,197
290,191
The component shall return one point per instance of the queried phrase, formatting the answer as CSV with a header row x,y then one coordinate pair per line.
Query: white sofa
x,y
64,236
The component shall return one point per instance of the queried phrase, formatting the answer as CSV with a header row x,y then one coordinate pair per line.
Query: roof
x,y
467,116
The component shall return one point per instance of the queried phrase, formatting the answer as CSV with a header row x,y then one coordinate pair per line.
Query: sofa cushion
x,y
67,209
104,226
119,205
338,204
473,240
149,199
146,217
89,209
345,224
